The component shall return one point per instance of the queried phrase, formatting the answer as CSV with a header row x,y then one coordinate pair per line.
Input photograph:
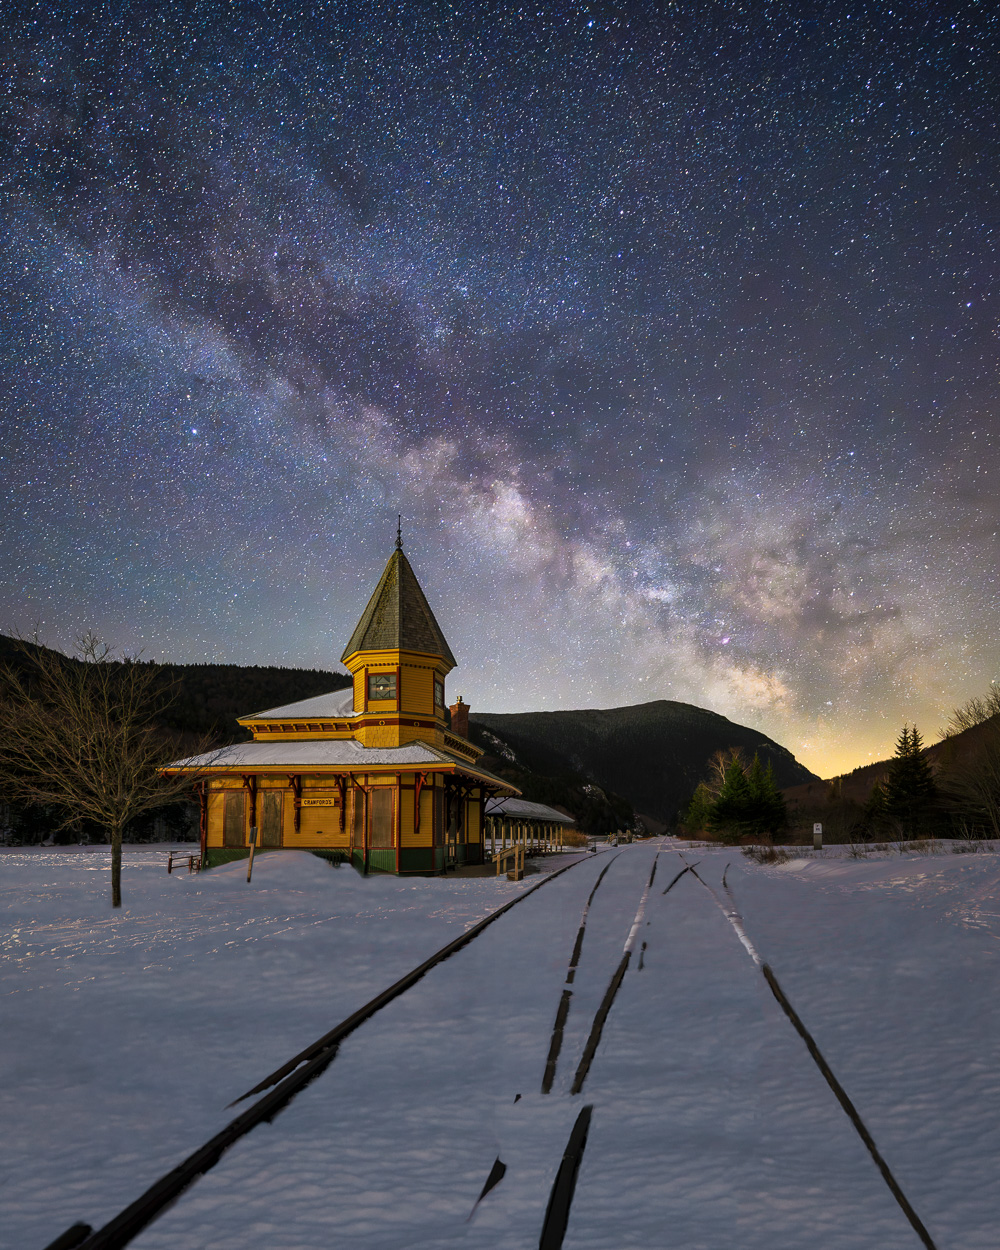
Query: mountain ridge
x,y
651,754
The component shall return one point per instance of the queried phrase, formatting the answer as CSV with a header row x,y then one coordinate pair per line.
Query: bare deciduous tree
x,y
975,712
81,735
973,785
719,764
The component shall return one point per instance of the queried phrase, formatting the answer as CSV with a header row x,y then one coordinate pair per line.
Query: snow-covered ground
x,y
123,1037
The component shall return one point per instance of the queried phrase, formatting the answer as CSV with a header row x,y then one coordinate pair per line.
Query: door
x,y
270,818
234,819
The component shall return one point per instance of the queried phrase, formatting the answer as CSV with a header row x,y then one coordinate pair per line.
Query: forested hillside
x,y
652,754
204,700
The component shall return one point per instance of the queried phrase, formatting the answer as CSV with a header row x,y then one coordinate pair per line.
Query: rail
x,y
283,1085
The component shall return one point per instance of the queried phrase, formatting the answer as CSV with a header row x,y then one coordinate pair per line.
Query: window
x,y
381,686
438,692
439,806
382,830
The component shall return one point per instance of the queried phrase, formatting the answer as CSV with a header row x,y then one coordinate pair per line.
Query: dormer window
x,y
381,686
439,693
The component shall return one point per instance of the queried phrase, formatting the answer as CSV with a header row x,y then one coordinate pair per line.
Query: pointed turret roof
x,y
398,617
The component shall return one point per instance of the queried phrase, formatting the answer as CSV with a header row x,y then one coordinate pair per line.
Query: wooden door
x,y
234,819
270,818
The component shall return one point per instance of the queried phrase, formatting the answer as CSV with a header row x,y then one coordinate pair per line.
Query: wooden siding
x,y
426,834
318,826
473,832
418,690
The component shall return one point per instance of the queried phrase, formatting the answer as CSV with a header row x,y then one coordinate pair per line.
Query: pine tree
x,y
767,813
731,814
698,812
909,792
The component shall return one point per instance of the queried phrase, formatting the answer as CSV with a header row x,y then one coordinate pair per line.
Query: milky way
x,y
671,329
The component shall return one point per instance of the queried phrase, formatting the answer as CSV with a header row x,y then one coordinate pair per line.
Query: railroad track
x,y
284,1083
732,914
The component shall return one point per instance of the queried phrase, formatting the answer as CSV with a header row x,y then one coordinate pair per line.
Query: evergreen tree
x,y
731,814
767,812
908,791
696,816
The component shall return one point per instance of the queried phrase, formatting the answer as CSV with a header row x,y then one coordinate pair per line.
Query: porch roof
x,y
522,809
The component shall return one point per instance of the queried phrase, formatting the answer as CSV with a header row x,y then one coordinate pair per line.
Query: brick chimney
x,y
460,718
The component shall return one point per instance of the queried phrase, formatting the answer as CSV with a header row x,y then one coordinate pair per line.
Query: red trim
x,y
296,783
250,784
360,785
421,781
399,813
202,789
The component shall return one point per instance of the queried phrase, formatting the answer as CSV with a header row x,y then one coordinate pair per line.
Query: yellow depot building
x,y
373,772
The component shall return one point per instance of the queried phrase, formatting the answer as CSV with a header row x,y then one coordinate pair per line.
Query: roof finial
x,y
399,532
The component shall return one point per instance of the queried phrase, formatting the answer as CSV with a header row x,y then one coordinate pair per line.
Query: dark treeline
x,y
204,700
198,709
950,789
209,697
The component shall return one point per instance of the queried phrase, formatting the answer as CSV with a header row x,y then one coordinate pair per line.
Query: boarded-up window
x,y
270,818
234,819
382,830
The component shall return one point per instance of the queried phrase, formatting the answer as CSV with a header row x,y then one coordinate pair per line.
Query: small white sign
x,y
817,830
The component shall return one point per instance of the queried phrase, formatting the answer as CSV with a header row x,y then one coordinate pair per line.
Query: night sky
x,y
670,328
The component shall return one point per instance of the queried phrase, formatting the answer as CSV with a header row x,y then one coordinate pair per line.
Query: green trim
x,y
416,859
218,855
382,859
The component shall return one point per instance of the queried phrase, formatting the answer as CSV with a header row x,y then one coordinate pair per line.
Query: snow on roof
x,y
527,811
320,751
336,703
333,753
